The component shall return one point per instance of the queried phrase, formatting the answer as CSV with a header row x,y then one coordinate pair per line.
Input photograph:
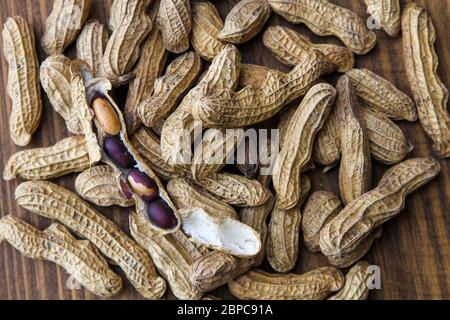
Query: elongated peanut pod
x,y
64,24
380,95
122,50
55,79
67,156
170,88
206,26
297,147
324,19
235,190
245,20
313,285
91,44
54,202
99,186
147,70
291,48
172,254
227,108
78,257
386,14
355,172
356,283
175,22
421,63
364,214
23,80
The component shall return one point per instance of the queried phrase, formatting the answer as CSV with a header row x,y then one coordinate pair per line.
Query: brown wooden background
x,y
413,252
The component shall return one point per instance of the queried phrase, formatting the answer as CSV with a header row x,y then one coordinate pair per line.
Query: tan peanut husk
x,y
245,20
91,44
421,63
187,195
360,217
206,26
148,68
127,17
78,257
64,24
227,108
321,207
211,153
54,202
380,95
252,75
23,80
148,146
313,285
291,48
297,148
175,22
325,19
172,255
388,143
385,14
235,190
99,186
356,283
100,86
170,88
67,156
355,172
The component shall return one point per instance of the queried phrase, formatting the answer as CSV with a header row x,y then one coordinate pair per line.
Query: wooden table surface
x,y
413,252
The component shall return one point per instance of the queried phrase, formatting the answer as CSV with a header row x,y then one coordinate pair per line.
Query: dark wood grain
x,y
413,252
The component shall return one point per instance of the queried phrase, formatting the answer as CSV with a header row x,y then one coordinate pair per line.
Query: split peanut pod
x,y
220,232
132,172
147,70
67,156
291,48
297,148
64,24
128,17
172,255
175,22
325,19
78,257
314,285
99,186
421,63
245,20
55,79
23,80
363,215
54,202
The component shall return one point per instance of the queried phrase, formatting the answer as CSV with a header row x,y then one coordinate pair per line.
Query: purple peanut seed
x,y
143,185
161,214
118,152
